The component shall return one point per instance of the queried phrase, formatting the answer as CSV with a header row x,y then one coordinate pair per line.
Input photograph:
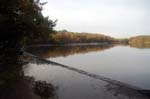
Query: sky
x,y
116,18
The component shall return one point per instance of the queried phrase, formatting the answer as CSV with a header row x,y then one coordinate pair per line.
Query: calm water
x,y
122,63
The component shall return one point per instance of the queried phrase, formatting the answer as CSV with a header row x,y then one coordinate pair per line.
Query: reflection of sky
x,y
124,64
118,18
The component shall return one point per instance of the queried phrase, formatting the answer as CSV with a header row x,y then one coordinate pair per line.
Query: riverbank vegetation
x,y
71,37
19,20
140,41
65,37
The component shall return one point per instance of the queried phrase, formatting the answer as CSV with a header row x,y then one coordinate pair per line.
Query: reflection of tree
x,y
140,45
140,42
13,83
44,90
24,88
117,88
56,51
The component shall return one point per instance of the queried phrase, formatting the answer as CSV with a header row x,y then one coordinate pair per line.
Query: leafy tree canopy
x,y
23,18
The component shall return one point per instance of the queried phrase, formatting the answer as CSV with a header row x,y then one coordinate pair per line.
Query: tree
x,y
20,20
23,18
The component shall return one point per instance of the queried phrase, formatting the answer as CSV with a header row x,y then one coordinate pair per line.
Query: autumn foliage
x,y
71,37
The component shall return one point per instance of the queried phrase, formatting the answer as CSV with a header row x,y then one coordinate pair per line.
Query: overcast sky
x,y
117,18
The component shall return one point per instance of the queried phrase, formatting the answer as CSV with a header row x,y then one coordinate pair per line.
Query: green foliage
x,y
20,21
20,18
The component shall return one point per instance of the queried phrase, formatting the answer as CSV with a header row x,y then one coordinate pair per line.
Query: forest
x,y
140,41
66,37
71,37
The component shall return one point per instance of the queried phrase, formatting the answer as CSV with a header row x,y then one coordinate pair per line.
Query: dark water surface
x,y
121,63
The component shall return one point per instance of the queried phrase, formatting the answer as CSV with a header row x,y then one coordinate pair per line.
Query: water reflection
x,y
76,86
112,87
57,51
140,45
13,83
104,62
44,89
27,88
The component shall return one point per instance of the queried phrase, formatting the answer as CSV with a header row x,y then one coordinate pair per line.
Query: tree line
x,y
65,37
71,37
140,41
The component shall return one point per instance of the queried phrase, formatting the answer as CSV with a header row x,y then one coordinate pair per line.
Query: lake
x,y
120,63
